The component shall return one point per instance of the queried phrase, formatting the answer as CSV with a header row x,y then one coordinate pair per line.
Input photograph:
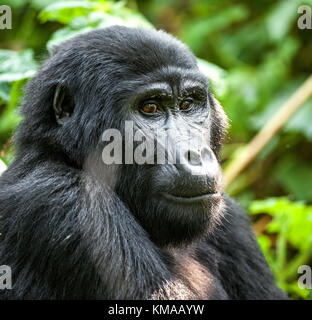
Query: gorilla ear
x,y
63,104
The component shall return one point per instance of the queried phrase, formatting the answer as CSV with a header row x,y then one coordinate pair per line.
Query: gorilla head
x,y
101,79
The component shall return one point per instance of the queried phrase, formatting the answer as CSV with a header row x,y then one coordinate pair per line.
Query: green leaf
x,y
117,15
4,92
265,244
294,289
9,118
295,176
296,217
195,32
16,66
301,121
130,17
66,11
64,34
215,74
279,27
15,69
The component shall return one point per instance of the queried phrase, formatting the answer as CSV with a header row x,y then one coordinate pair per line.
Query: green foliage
x,y
298,123
203,27
83,16
15,66
64,12
296,177
15,69
215,74
292,223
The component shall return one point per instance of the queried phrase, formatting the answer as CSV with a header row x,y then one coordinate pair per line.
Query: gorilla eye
x,y
186,104
149,107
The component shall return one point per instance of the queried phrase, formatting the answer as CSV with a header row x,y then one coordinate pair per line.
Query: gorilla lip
x,y
192,199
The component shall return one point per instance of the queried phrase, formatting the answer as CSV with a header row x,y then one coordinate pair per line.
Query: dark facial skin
x,y
179,102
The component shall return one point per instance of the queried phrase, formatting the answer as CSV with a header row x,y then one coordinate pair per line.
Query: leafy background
x,y
255,57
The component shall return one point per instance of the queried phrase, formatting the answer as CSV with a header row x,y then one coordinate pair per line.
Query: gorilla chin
x,y
190,218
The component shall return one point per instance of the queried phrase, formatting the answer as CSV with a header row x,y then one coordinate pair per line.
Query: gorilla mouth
x,y
192,199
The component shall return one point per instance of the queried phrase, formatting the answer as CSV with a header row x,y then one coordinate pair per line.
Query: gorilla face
x,y
178,200
151,79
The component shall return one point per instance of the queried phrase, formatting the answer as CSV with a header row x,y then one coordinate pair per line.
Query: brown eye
x,y
149,108
185,104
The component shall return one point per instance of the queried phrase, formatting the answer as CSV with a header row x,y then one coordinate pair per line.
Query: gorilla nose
x,y
199,162
201,173
197,158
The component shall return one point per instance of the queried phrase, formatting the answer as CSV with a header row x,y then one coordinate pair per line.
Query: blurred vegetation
x,y
255,57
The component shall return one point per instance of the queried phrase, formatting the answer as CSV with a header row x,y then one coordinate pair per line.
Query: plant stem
x,y
241,161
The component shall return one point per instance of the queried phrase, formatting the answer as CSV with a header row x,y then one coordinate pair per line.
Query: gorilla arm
x,y
74,239
128,263
244,272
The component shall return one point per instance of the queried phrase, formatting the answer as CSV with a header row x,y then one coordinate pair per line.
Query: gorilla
x,y
74,226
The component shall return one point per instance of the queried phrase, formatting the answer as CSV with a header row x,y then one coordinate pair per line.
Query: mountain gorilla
x,y
75,227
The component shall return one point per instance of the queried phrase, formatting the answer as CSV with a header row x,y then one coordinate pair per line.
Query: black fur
x,y
73,228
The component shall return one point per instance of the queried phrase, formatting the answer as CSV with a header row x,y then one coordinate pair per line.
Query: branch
x,y
249,152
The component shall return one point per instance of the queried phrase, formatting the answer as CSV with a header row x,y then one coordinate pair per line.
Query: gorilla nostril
x,y
206,155
193,158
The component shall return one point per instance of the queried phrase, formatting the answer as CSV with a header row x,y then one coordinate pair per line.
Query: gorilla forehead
x,y
118,49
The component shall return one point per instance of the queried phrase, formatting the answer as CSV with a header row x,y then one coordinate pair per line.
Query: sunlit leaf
x,y
16,65
65,11
297,215
215,74
277,27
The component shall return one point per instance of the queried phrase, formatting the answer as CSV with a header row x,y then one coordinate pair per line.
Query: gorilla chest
x,y
204,283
